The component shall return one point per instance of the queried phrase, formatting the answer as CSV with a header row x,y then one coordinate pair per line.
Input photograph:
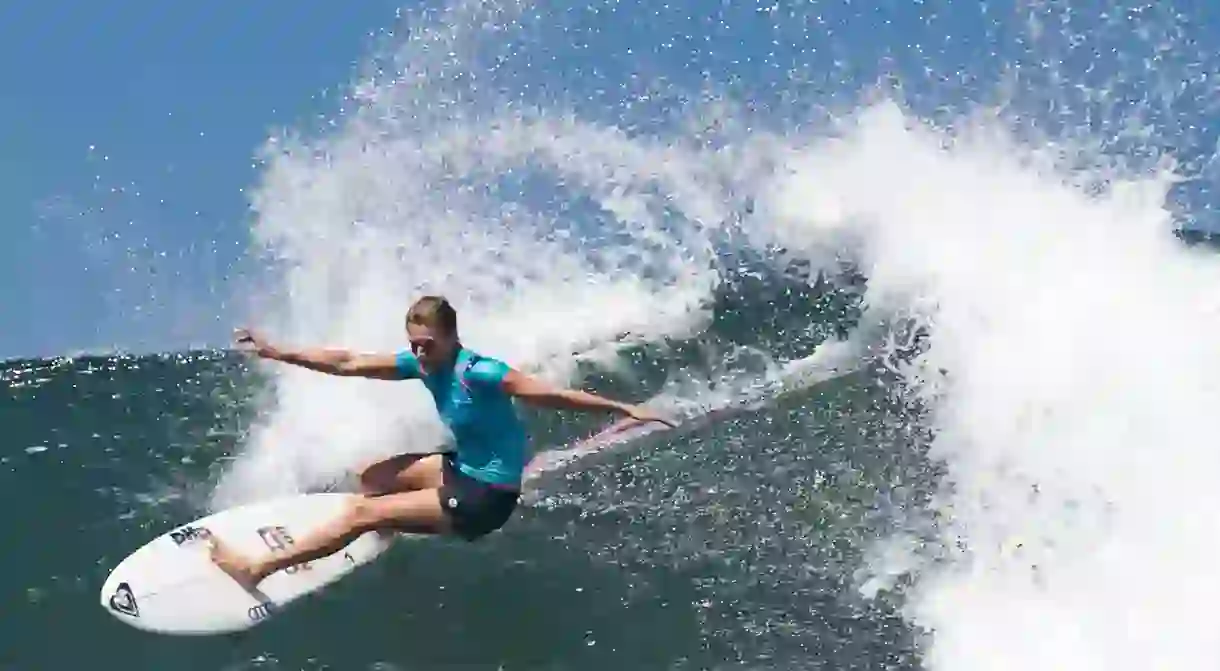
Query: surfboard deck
x,y
170,585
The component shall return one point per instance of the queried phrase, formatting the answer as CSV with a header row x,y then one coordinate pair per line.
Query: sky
x,y
128,130
141,120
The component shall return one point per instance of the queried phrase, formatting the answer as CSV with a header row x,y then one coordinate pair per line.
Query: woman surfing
x,y
467,493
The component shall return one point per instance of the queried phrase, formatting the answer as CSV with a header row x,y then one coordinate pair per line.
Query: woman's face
x,y
433,347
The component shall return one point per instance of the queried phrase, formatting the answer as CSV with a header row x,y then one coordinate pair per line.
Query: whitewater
x,y
1019,217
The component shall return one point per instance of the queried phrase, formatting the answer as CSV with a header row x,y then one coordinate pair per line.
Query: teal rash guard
x,y
489,435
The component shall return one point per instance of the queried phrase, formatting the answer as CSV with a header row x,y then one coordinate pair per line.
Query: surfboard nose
x,y
171,586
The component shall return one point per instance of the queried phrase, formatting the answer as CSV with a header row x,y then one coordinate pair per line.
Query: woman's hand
x,y
642,414
256,342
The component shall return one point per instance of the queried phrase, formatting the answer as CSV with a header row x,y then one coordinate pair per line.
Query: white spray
x,y
1075,414
405,200
1074,418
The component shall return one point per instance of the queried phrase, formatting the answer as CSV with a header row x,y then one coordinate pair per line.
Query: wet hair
x,y
434,312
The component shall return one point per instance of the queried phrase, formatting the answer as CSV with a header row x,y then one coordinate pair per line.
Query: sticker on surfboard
x,y
171,586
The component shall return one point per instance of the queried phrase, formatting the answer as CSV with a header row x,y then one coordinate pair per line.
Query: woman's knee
x,y
373,480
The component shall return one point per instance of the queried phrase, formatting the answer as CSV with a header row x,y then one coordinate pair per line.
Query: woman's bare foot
x,y
242,570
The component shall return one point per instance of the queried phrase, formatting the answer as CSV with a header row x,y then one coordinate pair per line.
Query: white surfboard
x,y
171,586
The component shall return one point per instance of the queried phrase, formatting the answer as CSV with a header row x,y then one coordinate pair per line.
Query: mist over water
x,y
1068,377
1013,195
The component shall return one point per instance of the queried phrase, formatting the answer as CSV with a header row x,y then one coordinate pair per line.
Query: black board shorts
x,y
475,508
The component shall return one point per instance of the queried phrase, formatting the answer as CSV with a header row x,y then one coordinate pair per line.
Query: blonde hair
x,y
434,312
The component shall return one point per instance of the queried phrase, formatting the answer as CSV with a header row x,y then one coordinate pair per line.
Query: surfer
x,y
467,493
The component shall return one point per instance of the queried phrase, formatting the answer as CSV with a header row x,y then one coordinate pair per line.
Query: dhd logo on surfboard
x,y
189,533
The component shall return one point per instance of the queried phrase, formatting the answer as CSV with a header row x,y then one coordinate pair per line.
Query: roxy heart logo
x,y
123,601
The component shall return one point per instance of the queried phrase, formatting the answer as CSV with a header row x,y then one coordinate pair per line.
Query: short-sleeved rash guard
x,y
490,437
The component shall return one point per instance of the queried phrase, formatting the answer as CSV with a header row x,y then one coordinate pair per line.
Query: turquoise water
x,y
649,556
912,277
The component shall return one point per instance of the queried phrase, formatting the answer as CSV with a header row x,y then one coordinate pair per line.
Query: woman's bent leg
x,y
402,473
416,512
